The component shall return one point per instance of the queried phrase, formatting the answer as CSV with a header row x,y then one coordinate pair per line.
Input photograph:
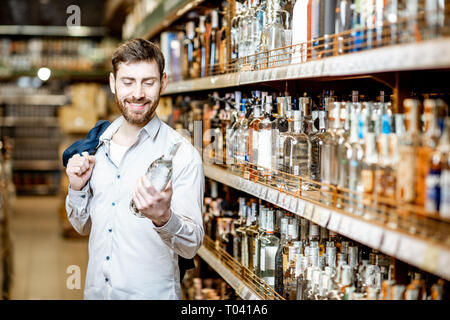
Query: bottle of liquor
x,y
317,27
406,168
279,255
329,23
235,31
223,45
159,173
385,175
253,131
430,142
344,147
272,36
201,33
301,30
265,141
343,23
296,152
269,246
261,233
444,147
280,126
369,167
289,279
214,43
252,232
317,140
329,162
188,46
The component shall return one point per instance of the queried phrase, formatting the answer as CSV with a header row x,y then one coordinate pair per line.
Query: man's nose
x,y
138,92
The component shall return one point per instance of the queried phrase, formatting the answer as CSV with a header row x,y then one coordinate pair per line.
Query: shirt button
x,y
83,196
118,176
106,279
110,230
107,258
113,204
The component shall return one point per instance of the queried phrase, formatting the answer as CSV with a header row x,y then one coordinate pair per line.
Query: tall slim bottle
x,y
214,43
265,141
430,142
444,147
301,30
269,246
329,161
406,168
329,26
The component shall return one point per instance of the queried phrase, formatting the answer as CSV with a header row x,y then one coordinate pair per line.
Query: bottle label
x,y
265,149
270,253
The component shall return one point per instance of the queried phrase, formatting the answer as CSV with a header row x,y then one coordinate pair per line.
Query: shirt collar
x,y
151,128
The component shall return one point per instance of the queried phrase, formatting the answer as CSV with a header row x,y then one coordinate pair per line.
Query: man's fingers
x,y
148,186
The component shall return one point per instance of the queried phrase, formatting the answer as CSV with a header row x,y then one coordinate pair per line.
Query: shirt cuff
x,y
79,198
172,226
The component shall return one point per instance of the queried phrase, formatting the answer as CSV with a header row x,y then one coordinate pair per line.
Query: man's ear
x,y
163,83
112,83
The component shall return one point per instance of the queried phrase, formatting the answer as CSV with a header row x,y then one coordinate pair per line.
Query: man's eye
x,y
127,83
150,83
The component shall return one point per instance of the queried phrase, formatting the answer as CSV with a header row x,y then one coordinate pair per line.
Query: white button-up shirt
x,y
129,257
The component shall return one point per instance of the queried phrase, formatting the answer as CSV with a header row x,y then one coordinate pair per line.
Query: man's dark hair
x,y
138,50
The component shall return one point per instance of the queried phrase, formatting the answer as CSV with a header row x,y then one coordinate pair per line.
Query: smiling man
x,y
132,257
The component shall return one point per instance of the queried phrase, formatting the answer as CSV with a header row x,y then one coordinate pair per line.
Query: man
x,y
132,257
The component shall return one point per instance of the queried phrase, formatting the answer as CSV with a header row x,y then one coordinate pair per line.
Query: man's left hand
x,y
151,203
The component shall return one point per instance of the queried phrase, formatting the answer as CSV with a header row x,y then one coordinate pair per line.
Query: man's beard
x,y
135,118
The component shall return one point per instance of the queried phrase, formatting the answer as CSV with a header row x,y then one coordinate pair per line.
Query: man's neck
x,y
127,133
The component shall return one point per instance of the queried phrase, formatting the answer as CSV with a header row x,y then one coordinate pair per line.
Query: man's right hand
x,y
79,170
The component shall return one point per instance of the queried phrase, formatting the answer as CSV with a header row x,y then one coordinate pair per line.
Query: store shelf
x,y
72,75
423,253
241,289
37,165
56,31
36,99
24,121
426,55
162,17
247,285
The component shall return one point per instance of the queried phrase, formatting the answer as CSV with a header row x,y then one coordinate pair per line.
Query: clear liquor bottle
x,y
235,31
272,36
329,161
159,174
265,141
239,130
316,150
385,175
355,159
253,133
344,148
301,30
280,126
297,149
214,43
203,46
269,246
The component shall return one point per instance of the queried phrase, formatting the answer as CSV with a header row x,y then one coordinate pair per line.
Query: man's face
x,y
137,87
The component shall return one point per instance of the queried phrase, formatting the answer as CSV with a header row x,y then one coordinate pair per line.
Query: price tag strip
x,y
324,217
293,205
390,242
335,220
301,204
443,263
411,250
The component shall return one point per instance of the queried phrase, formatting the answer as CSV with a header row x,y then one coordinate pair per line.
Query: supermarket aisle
x,y
40,254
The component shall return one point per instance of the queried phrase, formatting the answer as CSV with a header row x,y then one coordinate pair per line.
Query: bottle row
x,y
302,261
356,155
259,34
19,110
66,54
